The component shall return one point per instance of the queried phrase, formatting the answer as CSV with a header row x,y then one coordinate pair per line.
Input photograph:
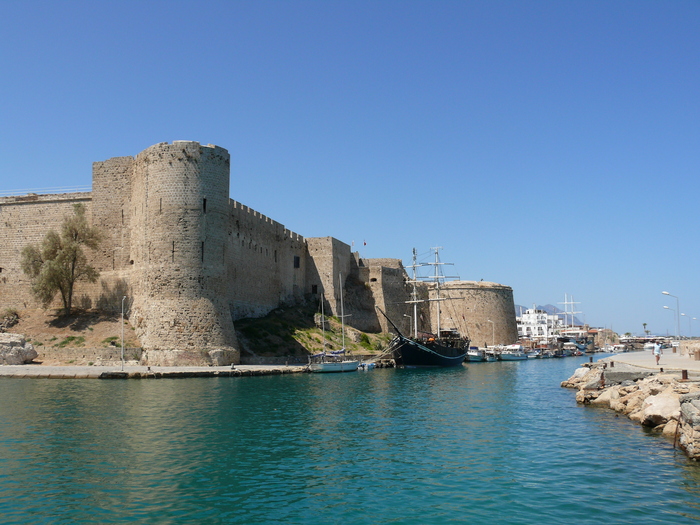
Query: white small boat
x,y
333,361
512,353
342,365
476,355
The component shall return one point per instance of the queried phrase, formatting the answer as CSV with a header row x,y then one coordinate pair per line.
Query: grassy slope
x,y
292,331
285,331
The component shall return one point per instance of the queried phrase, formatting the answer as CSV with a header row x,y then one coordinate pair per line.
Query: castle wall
x,y
26,220
471,305
111,197
266,263
387,281
330,260
191,261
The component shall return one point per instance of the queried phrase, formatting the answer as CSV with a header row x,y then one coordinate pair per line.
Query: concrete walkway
x,y
143,372
644,359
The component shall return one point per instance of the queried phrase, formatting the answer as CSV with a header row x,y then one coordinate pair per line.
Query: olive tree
x,y
59,261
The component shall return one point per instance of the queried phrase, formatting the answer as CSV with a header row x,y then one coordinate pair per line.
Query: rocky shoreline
x,y
665,402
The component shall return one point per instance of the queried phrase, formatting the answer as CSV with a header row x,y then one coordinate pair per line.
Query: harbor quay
x,y
37,371
663,397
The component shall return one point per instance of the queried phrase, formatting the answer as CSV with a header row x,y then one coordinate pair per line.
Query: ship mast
x,y
438,277
414,294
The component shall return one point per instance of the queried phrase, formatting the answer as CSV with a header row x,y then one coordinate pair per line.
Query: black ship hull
x,y
410,353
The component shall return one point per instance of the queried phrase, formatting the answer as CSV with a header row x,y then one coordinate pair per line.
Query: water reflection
x,y
486,442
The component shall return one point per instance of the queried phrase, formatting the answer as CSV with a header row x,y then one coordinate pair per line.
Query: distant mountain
x,y
550,309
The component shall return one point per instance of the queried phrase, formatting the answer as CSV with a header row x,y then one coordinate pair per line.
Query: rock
x,y
592,380
636,416
660,409
670,429
632,402
586,397
14,350
575,380
603,399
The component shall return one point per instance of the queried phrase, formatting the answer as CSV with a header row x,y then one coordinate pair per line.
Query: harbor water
x,y
484,443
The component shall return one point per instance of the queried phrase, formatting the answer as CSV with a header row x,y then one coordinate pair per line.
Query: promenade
x,y
37,371
670,361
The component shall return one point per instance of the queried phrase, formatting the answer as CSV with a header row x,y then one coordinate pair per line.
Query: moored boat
x,y
512,353
447,348
411,353
475,355
335,361
332,362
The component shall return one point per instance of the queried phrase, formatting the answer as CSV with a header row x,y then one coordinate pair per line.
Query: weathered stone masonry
x,y
191,261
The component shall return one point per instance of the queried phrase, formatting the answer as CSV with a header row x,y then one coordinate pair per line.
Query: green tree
x,y
59,261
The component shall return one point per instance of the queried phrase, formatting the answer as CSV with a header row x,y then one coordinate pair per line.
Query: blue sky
x,y
548,146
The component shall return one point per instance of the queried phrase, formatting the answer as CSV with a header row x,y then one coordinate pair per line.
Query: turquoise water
x,y
489,443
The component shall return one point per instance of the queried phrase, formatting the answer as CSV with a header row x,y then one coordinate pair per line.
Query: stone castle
x,y
191,261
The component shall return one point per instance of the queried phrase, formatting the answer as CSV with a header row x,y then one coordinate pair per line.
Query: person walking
x,y
657,352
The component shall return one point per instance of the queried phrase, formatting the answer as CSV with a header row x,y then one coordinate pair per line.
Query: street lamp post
x,y
493,332
674,312
690,329
678,317
123,298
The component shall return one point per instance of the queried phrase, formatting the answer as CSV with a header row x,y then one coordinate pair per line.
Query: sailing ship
x,y
446,348
334,361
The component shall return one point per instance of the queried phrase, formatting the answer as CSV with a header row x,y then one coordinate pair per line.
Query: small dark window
x,y
314,289
204,205
202,251
297,261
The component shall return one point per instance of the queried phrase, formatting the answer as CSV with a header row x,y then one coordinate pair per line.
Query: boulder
x,y
593,380
14,350
575,380
631,402
603,399
660,409
671,429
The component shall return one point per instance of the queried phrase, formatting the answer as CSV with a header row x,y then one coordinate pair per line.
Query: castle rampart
x,y
190,261
25,220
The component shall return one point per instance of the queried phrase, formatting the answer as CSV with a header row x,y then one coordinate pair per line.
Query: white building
x,y
538,325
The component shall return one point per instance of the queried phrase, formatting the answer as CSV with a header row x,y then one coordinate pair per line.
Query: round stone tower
x,y
178,229
487,309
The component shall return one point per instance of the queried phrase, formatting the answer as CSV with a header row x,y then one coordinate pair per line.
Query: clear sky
x,y
551,146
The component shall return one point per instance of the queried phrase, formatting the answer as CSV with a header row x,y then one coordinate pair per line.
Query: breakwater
x,y
667,403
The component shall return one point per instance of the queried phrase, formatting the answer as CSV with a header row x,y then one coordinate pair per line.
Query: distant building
x,y
538,325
